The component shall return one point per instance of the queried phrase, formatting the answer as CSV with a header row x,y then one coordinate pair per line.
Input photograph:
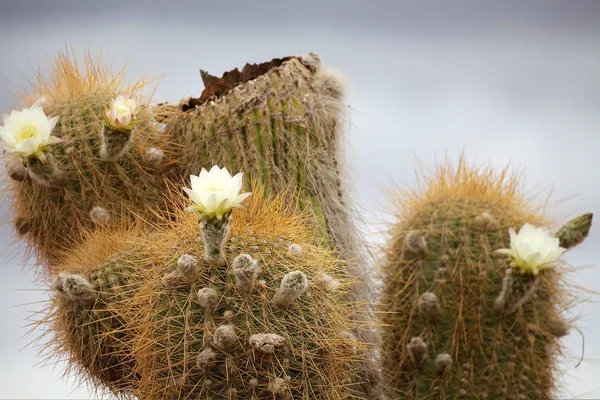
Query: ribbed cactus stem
x,y
114,143
46,172
491,323
215,232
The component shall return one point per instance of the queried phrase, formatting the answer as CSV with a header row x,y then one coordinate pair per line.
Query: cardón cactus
x,y
149,316
462,323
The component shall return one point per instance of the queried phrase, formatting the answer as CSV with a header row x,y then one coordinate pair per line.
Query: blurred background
x,y
506,81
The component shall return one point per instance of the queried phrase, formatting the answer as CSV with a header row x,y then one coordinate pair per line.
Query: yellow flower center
x,y
215,187
123,111
27,132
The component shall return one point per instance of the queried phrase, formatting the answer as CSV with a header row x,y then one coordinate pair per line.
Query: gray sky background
x,y
507,81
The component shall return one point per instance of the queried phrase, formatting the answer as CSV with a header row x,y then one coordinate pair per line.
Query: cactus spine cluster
x,y
462,323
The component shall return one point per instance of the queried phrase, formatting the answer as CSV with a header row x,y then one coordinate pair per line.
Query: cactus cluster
x,y
274,300
462,322
149,315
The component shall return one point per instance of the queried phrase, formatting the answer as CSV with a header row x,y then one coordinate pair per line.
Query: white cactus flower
x,y
121,114
533,249
215,192
27,133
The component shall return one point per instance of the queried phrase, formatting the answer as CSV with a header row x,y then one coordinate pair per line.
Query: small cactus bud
x,y
443,362
253,382
77,288
558,327
206,360
245,271
292,286
328,282
429,305
574,231
154,157
485,220
172,279
294,249
228,316
266,342
417,350
230,369
188,266
57,283
415,243
351,343
208,298
16,170
224,337
277,386
100,215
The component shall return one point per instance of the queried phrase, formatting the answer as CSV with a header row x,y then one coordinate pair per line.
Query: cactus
x,y
279,122
76,189
282,127
85,321
210,330
462,323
